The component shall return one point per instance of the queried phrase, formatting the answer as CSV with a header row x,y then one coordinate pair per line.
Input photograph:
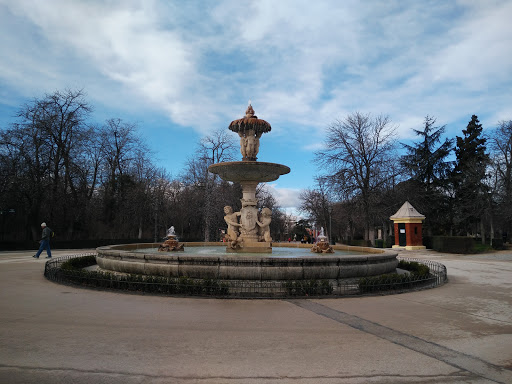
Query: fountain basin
x,y
255,171
140,259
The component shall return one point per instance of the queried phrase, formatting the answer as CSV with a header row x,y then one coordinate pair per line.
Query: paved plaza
x,y
460,332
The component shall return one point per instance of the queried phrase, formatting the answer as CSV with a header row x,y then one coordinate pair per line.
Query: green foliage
x,y
469,174
454,244
427,165
426,160
79,263
308,287
414,267
380,243
498,244
482,248
72,271
359,243
392,281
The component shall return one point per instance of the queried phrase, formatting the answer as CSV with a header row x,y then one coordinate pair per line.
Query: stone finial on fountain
x,y
250,112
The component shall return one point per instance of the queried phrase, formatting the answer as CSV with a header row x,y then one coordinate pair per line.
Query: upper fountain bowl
x,y
249,171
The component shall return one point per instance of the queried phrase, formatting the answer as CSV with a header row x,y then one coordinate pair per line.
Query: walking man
x,y
45,242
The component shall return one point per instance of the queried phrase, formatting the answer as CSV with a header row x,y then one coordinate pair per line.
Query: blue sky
x,y
182,69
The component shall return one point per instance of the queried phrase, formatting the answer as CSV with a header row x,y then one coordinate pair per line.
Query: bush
x,y
453,244
308,287
392,281
79,262
414,267
498,244
428,241
359,243
72,271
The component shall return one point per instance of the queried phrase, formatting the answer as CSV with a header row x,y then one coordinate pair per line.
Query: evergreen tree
x,y
469,175
426,163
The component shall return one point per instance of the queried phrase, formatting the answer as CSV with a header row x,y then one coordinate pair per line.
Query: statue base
x,y
252,247
171,245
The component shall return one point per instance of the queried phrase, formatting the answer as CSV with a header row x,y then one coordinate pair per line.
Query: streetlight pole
x,y
330,224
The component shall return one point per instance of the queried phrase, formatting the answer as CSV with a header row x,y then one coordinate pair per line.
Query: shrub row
x,y
392,281
72,271
146,284
79,263
308,287
453,244
414,267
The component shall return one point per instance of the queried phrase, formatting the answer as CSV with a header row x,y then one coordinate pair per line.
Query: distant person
x,y
44,242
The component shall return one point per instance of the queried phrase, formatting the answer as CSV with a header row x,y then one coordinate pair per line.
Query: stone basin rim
x,y
122,258
360,253
249,170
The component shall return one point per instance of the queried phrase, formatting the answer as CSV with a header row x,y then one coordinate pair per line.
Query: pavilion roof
x,y
407,211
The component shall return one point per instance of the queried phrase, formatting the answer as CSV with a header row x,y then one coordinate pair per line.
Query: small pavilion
x,y
408,224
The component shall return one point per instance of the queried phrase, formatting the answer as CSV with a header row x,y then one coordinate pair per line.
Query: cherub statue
x,y
243,144
264,224
231,219
249,144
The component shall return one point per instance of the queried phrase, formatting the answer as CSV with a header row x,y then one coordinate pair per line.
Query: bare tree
x,y
358,155
47,138
501,147
127,170
317,203
215,148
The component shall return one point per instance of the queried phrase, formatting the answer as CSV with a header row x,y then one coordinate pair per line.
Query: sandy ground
x,y
457,333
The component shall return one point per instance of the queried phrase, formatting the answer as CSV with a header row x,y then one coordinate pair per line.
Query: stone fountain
x,y
248,230
248,256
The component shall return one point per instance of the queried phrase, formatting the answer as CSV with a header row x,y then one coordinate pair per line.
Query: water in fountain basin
x,y
220,251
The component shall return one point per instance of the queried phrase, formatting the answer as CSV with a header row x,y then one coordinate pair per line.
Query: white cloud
x,y
303,64
286,197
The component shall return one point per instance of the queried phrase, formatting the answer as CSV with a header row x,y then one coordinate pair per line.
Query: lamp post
x,y
330,224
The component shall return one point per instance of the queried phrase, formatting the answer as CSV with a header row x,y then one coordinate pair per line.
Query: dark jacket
x,y
47,233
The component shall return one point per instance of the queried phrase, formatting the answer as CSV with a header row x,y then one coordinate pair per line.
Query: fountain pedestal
x,y
252,232
249,174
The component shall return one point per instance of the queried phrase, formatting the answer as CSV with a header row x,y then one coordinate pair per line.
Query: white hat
x,y
43,224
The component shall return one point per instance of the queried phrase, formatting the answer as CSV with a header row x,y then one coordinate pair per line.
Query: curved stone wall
x,y
122,258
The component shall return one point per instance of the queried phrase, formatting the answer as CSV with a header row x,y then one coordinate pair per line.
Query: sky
x,y
181,70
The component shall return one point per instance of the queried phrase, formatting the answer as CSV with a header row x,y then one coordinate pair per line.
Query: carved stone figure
x,y
322,246
264,224
231,219
171,243
249,144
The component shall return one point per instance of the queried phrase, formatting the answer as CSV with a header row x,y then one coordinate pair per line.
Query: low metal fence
x,y
184,286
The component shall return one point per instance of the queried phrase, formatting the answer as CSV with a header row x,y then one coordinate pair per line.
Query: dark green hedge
x,y
414,267
453,244
392,281
498,244
308,287
79,263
